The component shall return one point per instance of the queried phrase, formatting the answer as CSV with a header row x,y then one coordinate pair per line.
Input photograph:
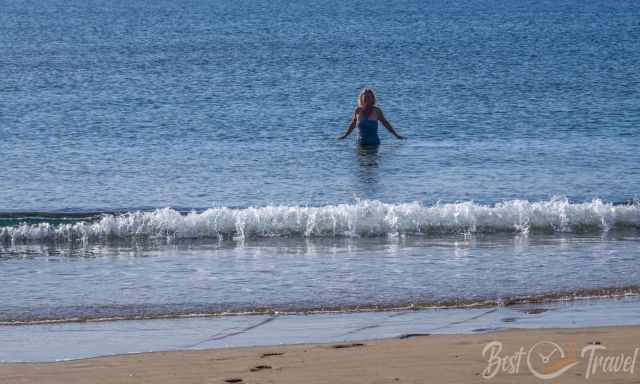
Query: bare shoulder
x,y
378,112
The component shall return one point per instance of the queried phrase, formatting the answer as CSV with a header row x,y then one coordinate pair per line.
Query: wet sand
x,y
412,358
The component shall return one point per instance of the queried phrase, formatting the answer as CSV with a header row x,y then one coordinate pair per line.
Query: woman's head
x,y
367,99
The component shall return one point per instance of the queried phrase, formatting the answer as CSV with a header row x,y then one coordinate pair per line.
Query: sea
x,y
163,159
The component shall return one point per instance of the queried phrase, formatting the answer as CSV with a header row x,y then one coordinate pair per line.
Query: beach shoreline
x,y
409,358
76,340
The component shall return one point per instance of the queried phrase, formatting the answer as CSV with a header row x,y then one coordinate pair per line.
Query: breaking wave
x,y
367,218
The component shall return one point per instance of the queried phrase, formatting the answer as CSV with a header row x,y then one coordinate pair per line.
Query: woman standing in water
x,y
366,117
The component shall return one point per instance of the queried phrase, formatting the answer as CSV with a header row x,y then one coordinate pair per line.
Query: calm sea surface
x,y
519,175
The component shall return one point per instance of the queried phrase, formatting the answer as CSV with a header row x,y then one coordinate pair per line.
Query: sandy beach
x,y
606,354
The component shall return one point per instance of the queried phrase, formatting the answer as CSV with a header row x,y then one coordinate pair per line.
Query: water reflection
x,y
368,155
368,172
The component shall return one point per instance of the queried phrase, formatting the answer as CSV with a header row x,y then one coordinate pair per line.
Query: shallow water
x,y
129,280
518,177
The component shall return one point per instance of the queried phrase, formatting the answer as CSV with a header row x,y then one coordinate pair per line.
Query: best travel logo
x,y
547,360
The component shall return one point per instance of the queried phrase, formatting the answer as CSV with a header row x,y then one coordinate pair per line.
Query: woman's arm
x,y
351,126
387,125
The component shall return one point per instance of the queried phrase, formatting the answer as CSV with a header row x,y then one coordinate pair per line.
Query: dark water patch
x,y
412,335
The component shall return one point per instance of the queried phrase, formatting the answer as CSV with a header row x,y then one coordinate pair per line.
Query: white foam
x,y
363,218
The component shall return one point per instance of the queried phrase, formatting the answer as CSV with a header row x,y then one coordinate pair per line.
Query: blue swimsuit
x,y
368,132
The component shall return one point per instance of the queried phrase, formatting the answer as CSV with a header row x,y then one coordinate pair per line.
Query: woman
x,y
366,117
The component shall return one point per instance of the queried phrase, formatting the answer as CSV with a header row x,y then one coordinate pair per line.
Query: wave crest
x,y
361,219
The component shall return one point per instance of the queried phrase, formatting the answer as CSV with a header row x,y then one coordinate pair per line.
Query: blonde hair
x,y
367,99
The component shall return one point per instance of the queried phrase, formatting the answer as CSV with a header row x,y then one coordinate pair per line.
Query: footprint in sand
x,y
351,345
269,354
260,368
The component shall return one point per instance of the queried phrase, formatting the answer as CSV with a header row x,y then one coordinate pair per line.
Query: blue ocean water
x,y
130,104
522,118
